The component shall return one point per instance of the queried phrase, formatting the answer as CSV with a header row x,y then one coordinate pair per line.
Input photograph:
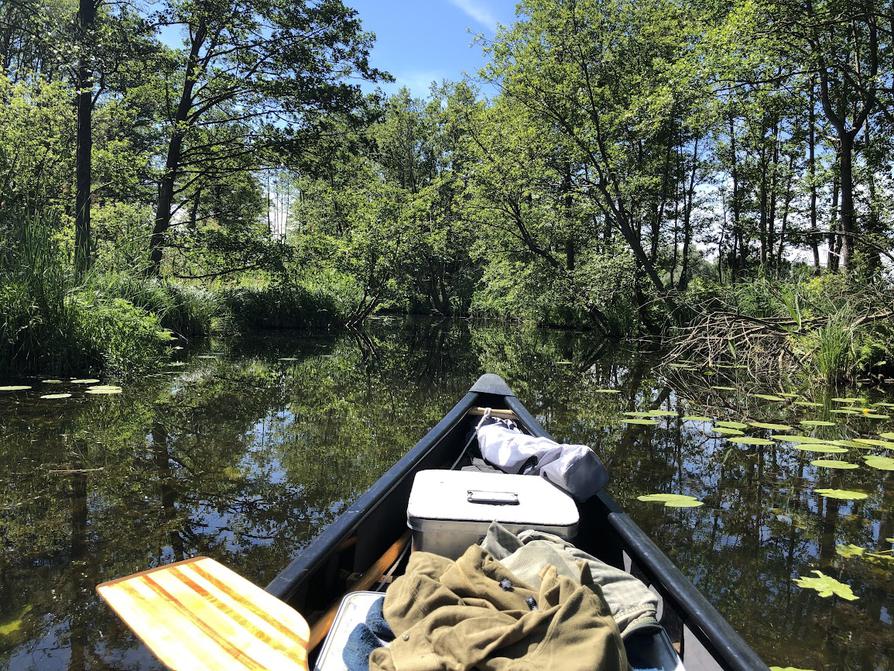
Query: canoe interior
x,y
334,563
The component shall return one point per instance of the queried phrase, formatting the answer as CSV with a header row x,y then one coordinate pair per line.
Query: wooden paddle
x,y
198,614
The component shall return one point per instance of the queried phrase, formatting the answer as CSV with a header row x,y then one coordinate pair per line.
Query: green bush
x,y
281,306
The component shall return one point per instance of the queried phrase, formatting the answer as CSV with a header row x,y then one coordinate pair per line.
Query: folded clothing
x,y
366,637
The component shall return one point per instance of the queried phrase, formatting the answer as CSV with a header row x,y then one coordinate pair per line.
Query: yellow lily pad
x,y
672,500
834,463
750,440
640,422
826,586
15,387
770,426
879,462
105,389
817,422
56,396
820,448
845,494
731,425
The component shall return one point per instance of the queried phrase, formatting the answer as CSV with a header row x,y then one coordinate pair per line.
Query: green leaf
x,y
85,381
849,551
822,449
788,668
817,422
640,422
662,413
722,388
846,494
15,387
106,389
797,439
849,399
875,443
606,391
834,463
696,418
770,426
767,397
887,436
672,500
51,396
749,440
826,586
879,462
726,431
731,425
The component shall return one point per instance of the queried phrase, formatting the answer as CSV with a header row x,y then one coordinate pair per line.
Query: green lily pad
x,y
849,399
640,422
606,391
809,404
672,500
875,415
826,586
788,668
850,550
719,387
834,463
105,389
797,439
726,431
731,425
750,440
884,404
697,418
846,494
820,448
15,387
817,422
848,443
846,411
636,413
662,413
85,381
887,436
889,540
875,443
768,397
52,381
879,462
770,426
51,396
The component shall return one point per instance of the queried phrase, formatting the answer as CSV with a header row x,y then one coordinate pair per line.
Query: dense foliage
x,y
641,167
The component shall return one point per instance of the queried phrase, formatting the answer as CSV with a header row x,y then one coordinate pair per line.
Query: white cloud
x,y
478,12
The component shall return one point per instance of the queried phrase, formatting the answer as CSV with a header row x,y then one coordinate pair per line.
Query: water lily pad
x,y
750,440
206,356
848,443
636,413
820,448
850,550
105,389
849,399
640,422
85,381
770,426
797,439
846,494
662,413
719,387
826,586
875,443
889,540
672,500
873,415
696,418
887,436
817,422
15,387
768,397
845,411
52,381
884,404
834,463
726,431
56,396
809,404
879,462
731,425
788,668
606,391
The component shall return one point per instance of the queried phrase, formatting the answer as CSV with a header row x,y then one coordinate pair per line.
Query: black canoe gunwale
x,y
720,640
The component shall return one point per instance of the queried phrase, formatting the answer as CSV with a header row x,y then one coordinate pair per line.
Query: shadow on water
x,y
253,446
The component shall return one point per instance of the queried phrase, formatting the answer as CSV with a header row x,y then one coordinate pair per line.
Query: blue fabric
x,y
375,620
360,644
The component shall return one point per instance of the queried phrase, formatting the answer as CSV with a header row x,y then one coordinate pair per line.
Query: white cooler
x,y
451,510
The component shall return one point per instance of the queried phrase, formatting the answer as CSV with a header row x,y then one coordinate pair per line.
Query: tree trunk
x,y
175,149
687,220
738,243
83,158
811,172
848,216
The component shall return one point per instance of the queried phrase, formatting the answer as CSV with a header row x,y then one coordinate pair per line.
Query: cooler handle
x,y
492,498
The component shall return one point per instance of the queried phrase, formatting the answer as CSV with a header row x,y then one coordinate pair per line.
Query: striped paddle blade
x,y
198,614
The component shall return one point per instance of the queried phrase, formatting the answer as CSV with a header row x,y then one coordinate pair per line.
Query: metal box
x,y
451,510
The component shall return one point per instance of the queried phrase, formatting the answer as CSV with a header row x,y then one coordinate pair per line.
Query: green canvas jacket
x,y
475,614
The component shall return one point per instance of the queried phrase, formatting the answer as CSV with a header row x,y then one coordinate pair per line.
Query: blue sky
x,y
420,41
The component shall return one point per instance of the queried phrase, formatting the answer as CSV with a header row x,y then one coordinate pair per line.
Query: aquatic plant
x,y
826,586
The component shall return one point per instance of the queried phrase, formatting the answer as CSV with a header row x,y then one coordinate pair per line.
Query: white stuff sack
x,y
573,468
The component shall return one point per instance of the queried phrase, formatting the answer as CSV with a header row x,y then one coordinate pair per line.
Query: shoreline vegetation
x,y
712,181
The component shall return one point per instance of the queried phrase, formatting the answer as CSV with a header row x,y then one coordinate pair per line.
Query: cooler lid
x,y
484,497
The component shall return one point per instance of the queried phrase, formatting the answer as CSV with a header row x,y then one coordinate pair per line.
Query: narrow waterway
x,y
245,450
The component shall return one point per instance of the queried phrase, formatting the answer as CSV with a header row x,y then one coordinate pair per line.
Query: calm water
x,y
245,451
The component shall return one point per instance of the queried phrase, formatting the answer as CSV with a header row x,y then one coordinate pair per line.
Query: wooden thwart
x,y
198,614
495,412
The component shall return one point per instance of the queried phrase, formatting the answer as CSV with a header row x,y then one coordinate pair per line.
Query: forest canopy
x,y
657,167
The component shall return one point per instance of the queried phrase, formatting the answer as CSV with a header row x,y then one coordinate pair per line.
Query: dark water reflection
x,y
249,449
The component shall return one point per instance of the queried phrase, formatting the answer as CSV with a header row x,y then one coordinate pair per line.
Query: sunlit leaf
x,y
105,389
816,422
726,431
52,381
845,411
672,500
849,399
809,404
636,413
662,413
879,462
848,443
888,436
722,388
770,426
875,443
606,391
797,439
820,448
788,668
15,387
767,397
697,418
826,586
846,494
85,381
640,422
50,396
850,550
872,415
750,440
731,425
834,463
